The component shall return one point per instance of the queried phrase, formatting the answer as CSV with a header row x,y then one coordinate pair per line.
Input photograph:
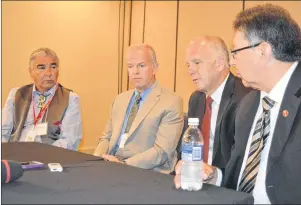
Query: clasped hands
x,y
112,158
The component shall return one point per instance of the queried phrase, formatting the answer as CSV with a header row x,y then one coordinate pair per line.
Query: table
x,y
95,182
34,151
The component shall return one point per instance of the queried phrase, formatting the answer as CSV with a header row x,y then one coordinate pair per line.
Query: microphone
x,y
10,171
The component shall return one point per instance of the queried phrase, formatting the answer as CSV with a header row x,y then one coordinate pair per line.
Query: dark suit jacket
x,y
283,176
233,92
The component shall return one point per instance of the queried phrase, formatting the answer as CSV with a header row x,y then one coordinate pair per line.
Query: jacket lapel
x,y
291,103
247,116
225,101
147,106
122,109
201,108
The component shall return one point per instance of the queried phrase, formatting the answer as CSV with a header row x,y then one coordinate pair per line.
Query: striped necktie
x,y
133,113
260,135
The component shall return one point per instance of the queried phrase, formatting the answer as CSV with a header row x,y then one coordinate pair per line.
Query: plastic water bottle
x,y
192,157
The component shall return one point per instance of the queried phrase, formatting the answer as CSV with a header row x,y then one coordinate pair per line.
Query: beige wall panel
x,y
126,37
136,25
197,18
137,22
294,7
85,37
160,32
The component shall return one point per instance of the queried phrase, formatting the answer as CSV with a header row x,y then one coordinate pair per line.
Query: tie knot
x,y
267,103
138,98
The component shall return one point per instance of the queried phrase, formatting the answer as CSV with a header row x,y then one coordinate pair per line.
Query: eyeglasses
x,y
234,52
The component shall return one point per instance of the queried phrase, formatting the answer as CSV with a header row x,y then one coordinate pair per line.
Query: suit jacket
x,y
233,93
154,134
283,180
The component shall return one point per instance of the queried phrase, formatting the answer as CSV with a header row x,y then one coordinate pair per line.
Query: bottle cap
x,y
193,121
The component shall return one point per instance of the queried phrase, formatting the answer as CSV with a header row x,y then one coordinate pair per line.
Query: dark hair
x,y
274,25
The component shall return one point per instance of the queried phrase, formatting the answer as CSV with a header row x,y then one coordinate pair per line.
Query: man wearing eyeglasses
x,y
265,159
44,111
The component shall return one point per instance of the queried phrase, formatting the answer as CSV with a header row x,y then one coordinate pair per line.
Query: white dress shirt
x,y
276,94
216,97
71,127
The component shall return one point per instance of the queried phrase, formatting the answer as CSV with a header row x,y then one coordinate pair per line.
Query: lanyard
x,y
42,111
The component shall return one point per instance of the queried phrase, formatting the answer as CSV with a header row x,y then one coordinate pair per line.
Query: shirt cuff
x,y
219,177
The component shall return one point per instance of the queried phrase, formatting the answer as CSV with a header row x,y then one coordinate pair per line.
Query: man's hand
x,y
111,158
177,179
208,173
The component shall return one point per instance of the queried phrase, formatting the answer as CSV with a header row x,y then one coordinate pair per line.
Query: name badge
x,y
31,136
41,129
124,138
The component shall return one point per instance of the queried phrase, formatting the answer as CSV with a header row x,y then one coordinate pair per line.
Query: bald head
x,y
214,46
142,66
207,60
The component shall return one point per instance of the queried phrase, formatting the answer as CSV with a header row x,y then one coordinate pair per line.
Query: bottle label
x,y
192,153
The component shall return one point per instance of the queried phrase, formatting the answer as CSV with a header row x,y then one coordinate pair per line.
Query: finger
x,y
204,175
106,157
178,167
177,181
208,172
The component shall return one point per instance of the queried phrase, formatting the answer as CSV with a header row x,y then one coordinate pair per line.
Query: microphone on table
x,y
10,171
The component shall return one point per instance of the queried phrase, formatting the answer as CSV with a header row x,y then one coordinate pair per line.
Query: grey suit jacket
x,y
154,134
283,176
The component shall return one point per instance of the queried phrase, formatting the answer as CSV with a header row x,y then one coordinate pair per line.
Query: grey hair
x,y
274,25
43,52
150,49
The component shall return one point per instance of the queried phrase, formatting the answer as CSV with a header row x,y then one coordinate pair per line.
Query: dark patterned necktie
x,y
260,135
133,113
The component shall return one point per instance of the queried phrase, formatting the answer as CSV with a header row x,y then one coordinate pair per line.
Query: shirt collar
x,y
47,93
217,94
146,92
278,90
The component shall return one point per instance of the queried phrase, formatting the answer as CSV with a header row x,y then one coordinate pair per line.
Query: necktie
x,y
133,113
206,127
42,100
260,135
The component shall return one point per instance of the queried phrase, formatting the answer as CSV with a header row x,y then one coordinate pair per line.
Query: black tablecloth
x,y
33,151
105,182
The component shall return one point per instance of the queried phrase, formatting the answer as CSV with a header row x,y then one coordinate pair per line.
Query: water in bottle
x,y
192,157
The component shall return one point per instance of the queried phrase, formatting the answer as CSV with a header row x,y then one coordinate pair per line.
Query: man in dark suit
x,y
265,160
218,92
